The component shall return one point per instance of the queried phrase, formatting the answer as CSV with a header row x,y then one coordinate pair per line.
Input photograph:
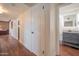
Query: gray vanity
x,y
71,39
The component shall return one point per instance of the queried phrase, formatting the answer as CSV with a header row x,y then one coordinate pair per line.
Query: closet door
x,y
40,29
27,30
45,29
36,18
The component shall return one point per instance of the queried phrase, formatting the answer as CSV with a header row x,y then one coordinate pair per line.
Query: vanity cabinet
x,y
71,39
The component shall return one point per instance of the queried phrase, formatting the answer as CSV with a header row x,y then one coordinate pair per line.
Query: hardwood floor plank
x,y
68,51
12,47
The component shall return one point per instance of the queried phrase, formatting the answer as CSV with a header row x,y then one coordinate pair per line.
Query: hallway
x,y
31,24
11,47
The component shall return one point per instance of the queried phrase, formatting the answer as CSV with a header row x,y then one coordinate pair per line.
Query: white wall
x,y
77,21
61,26
21,20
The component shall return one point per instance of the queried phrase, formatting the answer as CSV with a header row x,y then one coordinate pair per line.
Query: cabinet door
x,y
36,13
27,30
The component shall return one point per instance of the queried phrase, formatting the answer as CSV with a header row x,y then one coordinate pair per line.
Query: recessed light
x,y
1,12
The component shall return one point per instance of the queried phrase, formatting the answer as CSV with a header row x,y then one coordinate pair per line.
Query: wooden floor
x,y
11,47
68,51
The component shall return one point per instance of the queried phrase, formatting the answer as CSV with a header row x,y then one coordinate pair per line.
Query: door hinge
x,y
43,7
43,51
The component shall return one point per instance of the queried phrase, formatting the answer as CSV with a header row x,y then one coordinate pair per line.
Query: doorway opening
x,y
4,28
69,30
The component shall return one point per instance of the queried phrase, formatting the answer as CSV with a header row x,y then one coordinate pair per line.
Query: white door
x,y
36,29
39,30
43,30
45,25
27,30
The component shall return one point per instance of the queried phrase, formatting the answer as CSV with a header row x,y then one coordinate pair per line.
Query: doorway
x,y
4,27
69,30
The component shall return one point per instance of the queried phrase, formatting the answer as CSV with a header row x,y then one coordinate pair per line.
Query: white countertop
x,y
72,32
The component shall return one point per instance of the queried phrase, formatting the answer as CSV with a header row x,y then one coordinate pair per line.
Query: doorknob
x,y
32,32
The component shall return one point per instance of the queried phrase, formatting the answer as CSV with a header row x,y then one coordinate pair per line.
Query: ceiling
x,y
14,9
63,4
68,9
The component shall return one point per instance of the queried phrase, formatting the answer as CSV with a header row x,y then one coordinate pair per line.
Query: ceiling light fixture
x,y
2,10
